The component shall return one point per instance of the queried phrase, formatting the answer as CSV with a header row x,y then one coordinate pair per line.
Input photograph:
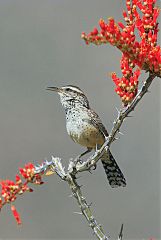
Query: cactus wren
x,y
85,127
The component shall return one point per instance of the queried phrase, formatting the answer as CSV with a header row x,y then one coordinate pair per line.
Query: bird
x,y
85,127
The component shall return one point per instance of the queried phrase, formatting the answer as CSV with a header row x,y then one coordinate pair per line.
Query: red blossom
x,y
94,32
143,53
38,179
10,189
16,214
18,179
28,171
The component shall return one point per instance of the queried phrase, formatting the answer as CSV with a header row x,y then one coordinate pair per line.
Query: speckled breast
x,y
83,132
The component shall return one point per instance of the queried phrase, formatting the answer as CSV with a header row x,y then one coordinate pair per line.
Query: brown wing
x,y
96,121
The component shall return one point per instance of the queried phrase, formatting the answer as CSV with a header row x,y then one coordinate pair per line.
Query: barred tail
x,y
113,172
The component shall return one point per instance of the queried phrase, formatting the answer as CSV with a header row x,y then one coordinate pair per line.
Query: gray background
x,y
40,46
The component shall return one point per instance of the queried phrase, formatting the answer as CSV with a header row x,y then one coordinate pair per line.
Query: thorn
x,y
71,195
70,160
78,177
83,198
121,232
120,133
89,205
106,138
117,110
106,148
116,138
129,116
79,213
97,146
89,171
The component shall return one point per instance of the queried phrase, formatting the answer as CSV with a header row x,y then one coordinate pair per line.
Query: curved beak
x,y
55,89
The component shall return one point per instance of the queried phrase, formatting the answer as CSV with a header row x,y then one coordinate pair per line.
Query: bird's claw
x,y
94,167
77,159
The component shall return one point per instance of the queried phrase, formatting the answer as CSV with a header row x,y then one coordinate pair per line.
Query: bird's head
x,y
70,96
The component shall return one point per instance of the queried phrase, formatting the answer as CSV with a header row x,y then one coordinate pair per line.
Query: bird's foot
x,y
78,160
94,167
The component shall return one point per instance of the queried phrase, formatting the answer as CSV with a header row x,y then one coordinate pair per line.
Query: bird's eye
x,y
67,89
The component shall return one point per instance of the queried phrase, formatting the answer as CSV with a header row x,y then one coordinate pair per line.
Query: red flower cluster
x,y
141,15
10,189
127,86
28,171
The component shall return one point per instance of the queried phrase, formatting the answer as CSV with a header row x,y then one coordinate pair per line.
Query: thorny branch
x,y
77,193
75,167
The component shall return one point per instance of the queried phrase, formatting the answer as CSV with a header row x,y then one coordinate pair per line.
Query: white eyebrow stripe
x,y
76,89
